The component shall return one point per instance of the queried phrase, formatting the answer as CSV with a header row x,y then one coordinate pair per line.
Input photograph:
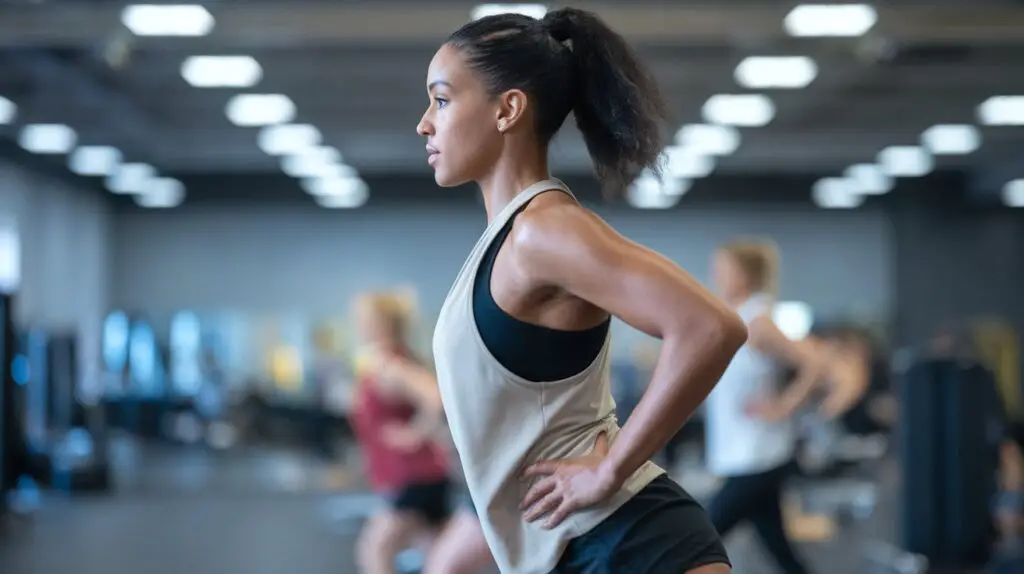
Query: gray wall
x,y
297,260
957,266
65,236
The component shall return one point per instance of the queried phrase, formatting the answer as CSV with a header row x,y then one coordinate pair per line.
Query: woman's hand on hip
x,y
568,485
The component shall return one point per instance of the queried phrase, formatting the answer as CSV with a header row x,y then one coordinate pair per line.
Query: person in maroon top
x,y
399,421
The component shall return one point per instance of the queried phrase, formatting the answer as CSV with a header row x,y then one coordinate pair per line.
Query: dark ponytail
x,y
571,61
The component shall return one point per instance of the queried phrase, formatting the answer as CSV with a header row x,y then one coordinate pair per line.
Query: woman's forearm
x,y
688,368
797,393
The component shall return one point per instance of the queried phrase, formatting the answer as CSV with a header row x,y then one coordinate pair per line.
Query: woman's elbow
x,y
723,330
732,331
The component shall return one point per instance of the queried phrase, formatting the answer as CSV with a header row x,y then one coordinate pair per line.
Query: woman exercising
x,y
751,432
521,344
396,415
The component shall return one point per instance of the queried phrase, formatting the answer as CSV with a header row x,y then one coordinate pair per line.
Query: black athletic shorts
x,y
661,530
431,501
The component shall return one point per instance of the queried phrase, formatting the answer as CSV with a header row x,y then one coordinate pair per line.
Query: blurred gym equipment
x,y
949,457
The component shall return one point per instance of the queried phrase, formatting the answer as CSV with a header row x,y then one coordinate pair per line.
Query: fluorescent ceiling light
x,y
322,153
709,139
344,186
681,162
249,110
162,193
830,20
951,139
287,139
221,71
868,179
744,110
905,161
94,160
765,72
532,10
1013,193
835,193
794,319
332,171
167,20
307,166
342,201
647,192
1002,111
7,111
47,138
131,178
345,192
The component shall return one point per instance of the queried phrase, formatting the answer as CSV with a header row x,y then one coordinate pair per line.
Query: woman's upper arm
x,y
766,337
413,382
567,246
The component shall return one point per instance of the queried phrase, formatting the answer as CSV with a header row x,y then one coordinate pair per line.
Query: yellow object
x,y
286,368
999,347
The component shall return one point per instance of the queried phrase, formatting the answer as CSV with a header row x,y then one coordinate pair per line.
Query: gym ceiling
x,y
826,93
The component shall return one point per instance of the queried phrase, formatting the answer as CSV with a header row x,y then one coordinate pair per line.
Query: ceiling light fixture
x,y
47,138
835,193
536,11
161,193
307,166
338,192
250,110
868,179
94,160
778,72
835,20
285,139
131,178
709,139
1002,111
321,153
167,20
951,139
648,192
221,71
905,161
743,110
681,162
1013,193
8,110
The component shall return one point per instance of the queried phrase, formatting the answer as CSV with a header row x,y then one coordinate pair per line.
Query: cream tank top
x,y
502,423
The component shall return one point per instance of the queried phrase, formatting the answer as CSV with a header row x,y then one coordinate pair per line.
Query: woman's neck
x,y
510,176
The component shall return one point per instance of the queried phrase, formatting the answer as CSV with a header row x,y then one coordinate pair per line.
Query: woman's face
x,y
460,124
372,327
728,277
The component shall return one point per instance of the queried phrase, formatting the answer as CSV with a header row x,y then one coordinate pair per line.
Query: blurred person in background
x,y
461,548
397,417
750,428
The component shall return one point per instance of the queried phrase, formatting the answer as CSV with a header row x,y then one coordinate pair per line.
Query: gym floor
x,y
270,512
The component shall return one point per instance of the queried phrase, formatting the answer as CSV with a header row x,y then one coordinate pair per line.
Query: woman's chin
x,y
443,179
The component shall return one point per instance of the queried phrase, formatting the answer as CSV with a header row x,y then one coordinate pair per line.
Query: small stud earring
x,y
501,127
